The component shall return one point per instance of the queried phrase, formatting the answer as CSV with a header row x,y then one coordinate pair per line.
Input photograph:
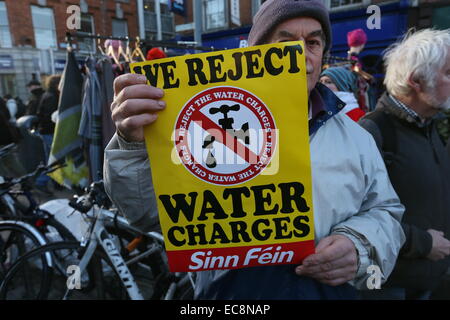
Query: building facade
x,y
33,43
33,36
431,13
226,23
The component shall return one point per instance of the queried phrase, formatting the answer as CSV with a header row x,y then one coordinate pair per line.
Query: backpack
x,y
386,126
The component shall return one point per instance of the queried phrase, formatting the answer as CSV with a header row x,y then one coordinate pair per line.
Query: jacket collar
x,y
324,105
390,105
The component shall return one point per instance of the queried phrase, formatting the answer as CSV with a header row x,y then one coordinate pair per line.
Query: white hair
x,y
420,55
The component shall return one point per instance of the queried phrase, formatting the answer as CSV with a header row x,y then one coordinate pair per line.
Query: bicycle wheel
x,y
63,279
43,262
16,238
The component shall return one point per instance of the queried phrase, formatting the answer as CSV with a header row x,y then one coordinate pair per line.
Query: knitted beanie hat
x,y
343,78
155,53
356,38
274,12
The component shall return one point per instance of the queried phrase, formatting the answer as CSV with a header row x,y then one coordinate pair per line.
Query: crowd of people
x,y
385,164
42,105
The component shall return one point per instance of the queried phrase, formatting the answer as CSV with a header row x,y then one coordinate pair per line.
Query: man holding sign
x,y
356,211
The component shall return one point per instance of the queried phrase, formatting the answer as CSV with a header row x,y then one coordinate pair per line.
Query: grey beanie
x,y
274,12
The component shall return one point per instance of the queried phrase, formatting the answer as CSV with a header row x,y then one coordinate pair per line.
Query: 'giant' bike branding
x,y
117,260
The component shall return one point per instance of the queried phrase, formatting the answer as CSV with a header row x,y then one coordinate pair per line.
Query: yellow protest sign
x,y
230,157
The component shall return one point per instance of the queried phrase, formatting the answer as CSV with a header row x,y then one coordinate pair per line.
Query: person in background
x,y
47,105
366,93
5,133
4,112
342,82
35,89
356,211
10,165
46,127
21,107
11,104
403,125
356,40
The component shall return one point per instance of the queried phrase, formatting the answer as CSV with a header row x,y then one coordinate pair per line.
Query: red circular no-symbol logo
x,y
225,135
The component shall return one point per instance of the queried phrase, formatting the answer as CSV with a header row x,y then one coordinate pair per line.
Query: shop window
x,y
5,34
167,20
87,27
215,14
7,84
345,4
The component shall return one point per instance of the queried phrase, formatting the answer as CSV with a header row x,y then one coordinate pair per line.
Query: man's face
x,y
440,94
325,80
310,31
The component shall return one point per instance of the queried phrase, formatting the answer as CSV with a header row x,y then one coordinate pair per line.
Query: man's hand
x,y
441,246
135,105
334,263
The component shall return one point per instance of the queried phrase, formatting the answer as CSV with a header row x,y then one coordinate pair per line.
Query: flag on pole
x,y
67,144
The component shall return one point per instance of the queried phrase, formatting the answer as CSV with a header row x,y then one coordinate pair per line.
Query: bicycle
x,y
25,227
16,238
104,266
12,208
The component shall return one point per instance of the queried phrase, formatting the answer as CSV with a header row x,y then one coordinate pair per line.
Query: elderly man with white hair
x,y
418,87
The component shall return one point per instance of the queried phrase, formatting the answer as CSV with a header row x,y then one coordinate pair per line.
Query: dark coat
x,y
448,146
34,101
4,112
9,133
47,105
419,169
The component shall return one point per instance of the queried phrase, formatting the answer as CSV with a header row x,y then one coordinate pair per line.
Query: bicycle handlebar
x,y
40,169
95,194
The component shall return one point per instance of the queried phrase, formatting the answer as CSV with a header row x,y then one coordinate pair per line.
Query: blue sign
x,y
60,64
177,6
6,62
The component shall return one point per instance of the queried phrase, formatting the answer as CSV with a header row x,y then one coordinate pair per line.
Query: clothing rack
x,y
328,58
151,43
335,61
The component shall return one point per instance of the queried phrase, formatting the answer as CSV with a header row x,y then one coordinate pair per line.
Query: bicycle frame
x,y
99,236
160,239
